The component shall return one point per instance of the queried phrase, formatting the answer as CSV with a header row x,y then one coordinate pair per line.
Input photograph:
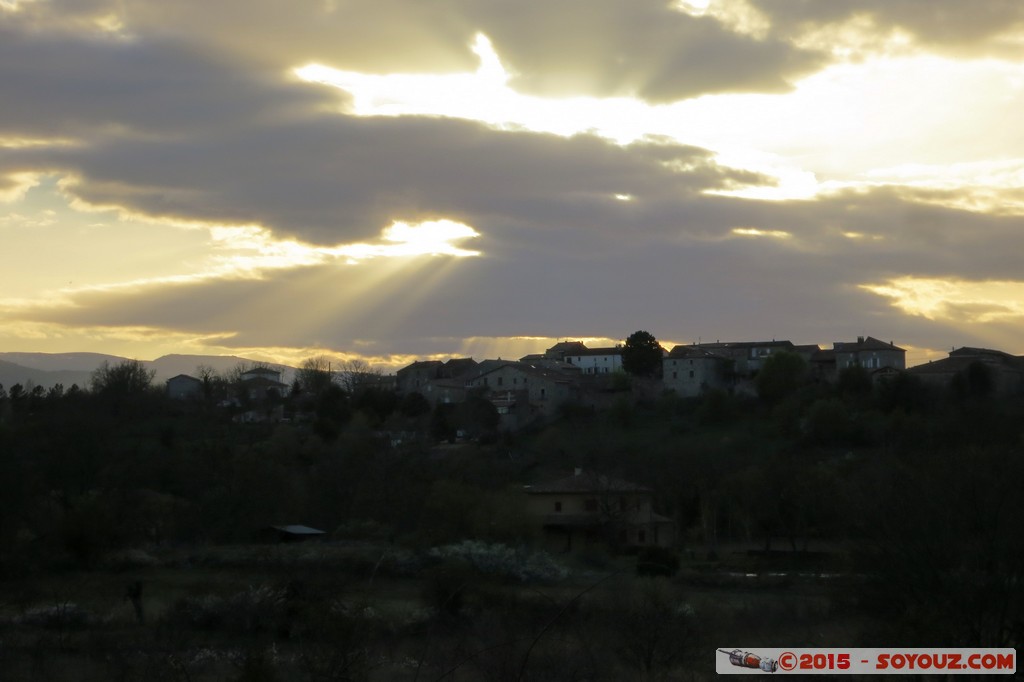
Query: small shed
x,y
293,533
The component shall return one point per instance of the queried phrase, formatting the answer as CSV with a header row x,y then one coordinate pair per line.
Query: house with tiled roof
x,y
457,367
692,370
563,348
869,353
588,508
1004,371
596,360
414,378
748,356
438,382
543,389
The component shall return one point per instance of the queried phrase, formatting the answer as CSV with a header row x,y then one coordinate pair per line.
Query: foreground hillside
x,y
135,541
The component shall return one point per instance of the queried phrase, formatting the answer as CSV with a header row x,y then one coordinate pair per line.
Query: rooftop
x,y
587,482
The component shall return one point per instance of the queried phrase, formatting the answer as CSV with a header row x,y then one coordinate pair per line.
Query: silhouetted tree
x,y
974,382
903,391
126,378
357,374
642,354
854,382
123,387
477,416
315,376
782,374
414,405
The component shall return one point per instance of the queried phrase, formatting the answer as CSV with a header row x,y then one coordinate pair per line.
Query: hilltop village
x,y
589,513
535,387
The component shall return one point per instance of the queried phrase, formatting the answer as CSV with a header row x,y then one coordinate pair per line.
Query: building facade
x,y
586,508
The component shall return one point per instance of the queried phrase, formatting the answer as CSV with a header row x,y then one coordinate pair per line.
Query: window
x,y
674,375
590,505
500,380
542,393
641,537
691,373
558,506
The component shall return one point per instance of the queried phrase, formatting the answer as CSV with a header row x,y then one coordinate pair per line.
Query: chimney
x,y
860,339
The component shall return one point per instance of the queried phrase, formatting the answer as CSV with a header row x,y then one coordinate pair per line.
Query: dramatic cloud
x,y
72,87
976,27
443,184
839,256
644,48
166,133
641,48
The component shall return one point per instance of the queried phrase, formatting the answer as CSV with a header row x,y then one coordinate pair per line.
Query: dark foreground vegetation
x,y
133,533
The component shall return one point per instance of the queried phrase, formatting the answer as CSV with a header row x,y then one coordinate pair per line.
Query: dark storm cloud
x,y
331,179
167,132
805,288
642,48
189,115
630,47
953,25
55,85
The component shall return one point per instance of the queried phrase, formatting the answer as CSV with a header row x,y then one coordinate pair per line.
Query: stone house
x,y
563,349
587,508
869,353
747,356
1005,371
439,382
691,370
596,360
415,377
545,390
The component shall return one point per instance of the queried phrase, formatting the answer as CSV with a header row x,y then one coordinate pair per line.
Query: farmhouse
x,y
588,508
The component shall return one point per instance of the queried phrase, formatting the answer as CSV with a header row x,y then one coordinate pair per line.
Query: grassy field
x,y
377,612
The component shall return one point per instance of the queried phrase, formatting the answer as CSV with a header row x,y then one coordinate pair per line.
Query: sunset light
x,y
500,159
510,339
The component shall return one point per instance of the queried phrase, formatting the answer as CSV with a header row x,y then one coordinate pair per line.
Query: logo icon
x,y
745,659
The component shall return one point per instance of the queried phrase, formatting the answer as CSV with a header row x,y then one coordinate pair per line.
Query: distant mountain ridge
x,y
49,369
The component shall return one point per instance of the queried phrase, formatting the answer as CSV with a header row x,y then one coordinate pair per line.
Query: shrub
x,y
57,617
657,561
503,561
446,586
257,609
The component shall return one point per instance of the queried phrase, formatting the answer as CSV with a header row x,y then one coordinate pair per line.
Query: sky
x,y
394,180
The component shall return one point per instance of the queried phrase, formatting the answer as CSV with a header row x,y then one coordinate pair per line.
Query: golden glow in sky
x,y
753,152
955,300
856,124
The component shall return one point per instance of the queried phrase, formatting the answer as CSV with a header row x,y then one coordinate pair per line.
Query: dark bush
x,y
657,561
